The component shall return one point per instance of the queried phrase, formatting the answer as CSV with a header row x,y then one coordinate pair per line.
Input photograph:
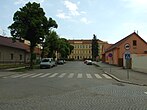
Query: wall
x,y
5,55
139,62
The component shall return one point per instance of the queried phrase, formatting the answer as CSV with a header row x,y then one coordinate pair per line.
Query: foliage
x,y
55,44
64,48
51,44
94,48
31,24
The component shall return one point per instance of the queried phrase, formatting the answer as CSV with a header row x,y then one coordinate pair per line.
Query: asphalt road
x,y
72,86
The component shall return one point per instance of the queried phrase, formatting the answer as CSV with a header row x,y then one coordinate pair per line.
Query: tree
x,y
31,24
94,48
46,46
65,48
51,44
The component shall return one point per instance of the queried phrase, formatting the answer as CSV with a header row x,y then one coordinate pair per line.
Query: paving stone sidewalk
x,y
124,75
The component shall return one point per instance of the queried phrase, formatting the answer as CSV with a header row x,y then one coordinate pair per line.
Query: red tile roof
x,y
7,41
123,40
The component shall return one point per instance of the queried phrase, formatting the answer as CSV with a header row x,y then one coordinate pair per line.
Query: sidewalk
x,y
124,75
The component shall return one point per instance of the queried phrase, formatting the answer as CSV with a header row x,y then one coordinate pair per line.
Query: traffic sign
x,y
127,56
127,46
110,54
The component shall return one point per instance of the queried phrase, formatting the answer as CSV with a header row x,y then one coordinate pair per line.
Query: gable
x,y
129,38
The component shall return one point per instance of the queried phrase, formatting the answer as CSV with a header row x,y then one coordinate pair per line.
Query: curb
x,y
10,69
119,80
123,81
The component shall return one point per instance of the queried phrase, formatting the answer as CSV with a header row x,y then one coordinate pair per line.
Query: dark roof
x,y
123,40
7,41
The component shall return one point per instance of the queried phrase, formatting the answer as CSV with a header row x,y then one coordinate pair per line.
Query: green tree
x,y
65,48
31,24
94,48
51,44
46,44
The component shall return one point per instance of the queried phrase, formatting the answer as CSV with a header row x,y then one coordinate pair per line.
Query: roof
x,y
37,50
7,41
83,41
123,40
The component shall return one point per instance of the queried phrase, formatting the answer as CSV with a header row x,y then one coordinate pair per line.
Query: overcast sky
x,y
110,20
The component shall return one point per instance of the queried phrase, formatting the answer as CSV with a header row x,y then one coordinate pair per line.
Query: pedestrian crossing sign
x,y
127,56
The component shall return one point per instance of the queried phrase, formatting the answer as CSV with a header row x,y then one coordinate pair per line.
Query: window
x,y
20,57
134,43
11,56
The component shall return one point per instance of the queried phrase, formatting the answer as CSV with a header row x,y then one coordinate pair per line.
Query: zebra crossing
x,y
60,75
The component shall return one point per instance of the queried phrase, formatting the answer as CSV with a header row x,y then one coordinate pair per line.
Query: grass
x,y
26,69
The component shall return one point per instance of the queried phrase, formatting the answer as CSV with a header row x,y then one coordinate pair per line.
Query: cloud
x,y
85,20
62,15
17,2
72,7
1,30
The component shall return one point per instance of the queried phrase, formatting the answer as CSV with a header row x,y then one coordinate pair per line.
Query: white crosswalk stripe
x,y
53,75
88,75
36,75
27,75
45,75
62,75
71,75
106,76
79,76
98,76
17,76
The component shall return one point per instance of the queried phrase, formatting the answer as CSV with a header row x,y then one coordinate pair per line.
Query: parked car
x,y
85,61
89,62
60,62
47,63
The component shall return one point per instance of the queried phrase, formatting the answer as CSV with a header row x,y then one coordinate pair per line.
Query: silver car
x,y
47,63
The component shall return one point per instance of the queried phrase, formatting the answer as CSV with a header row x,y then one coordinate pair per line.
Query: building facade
x,y
15,52
120,52
83,49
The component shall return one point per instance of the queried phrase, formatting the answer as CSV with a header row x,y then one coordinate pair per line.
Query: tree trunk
x,y
31,60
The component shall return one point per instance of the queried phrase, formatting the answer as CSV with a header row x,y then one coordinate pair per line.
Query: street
x,y
72,86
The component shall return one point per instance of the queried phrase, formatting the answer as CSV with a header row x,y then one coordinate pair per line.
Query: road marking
x,y
88,75
71,75
98,76
79,76
145,92
62,75
27,75
17,76
106,76
36,75
53,75
45,75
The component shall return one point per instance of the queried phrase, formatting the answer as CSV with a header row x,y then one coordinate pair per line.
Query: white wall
x,y
139,62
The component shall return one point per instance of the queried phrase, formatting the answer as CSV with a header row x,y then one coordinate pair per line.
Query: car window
x,y
45,60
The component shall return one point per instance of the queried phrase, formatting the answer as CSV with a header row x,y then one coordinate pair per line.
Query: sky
x,y
109,20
